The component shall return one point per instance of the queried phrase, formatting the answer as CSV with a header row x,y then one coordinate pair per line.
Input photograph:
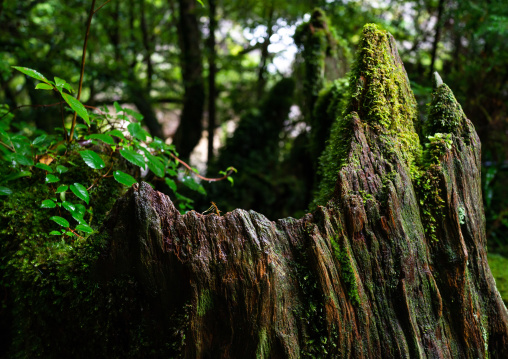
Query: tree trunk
x,y
212,69
148,47
264,53
189,131
394,266
437,35
141,98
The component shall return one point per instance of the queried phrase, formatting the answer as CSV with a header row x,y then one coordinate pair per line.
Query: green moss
x,y
316,40
381,95
205,303
445,113
329,107
446,119
366,196
499,267
46,275
311,311
263,349
426,185
347,271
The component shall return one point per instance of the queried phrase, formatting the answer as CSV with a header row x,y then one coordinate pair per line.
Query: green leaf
x,y
62,188
22,160
172,172
137,131
124,178
104,138
78,217
16,175
44,167
39,140
47,203
43,86
60,83
32,73
157,143
4,191
22,145
68,87
134,114
155,165
193,185
201,2
52,179
77,106
92,159
61,221
85,228
171,183
55,233
61,169
79,212
5,134
118,108
80,191
133,157
69,206
116,133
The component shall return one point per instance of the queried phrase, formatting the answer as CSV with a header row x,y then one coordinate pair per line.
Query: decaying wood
x,y
382,271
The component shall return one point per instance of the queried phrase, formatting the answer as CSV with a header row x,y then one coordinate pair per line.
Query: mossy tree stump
x,y
393,266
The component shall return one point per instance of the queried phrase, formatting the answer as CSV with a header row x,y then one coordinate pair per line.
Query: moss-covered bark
x,y
363,277
324,59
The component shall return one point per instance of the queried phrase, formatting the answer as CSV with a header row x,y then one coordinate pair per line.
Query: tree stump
x,y
393,266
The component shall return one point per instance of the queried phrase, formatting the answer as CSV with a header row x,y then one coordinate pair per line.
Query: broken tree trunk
x,y
394,266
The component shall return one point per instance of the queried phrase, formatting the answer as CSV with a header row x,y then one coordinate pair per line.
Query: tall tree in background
x,y
189,131
212,69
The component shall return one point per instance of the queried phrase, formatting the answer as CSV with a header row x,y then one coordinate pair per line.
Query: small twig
x,y
100,7
198,175
7,146
74,232
213,207
83,61
99,178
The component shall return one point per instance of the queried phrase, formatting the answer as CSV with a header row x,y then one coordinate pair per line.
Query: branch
x,y
230,172
83,60
100,7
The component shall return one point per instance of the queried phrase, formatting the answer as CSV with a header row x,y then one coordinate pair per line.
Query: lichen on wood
x,y
361,277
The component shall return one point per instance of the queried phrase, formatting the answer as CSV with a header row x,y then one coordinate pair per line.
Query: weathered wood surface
x,y
385,270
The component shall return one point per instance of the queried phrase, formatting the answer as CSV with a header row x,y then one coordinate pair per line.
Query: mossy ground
x,y
52,307
499,267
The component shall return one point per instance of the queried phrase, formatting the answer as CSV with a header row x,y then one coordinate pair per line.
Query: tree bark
x,y
189,131
394,266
